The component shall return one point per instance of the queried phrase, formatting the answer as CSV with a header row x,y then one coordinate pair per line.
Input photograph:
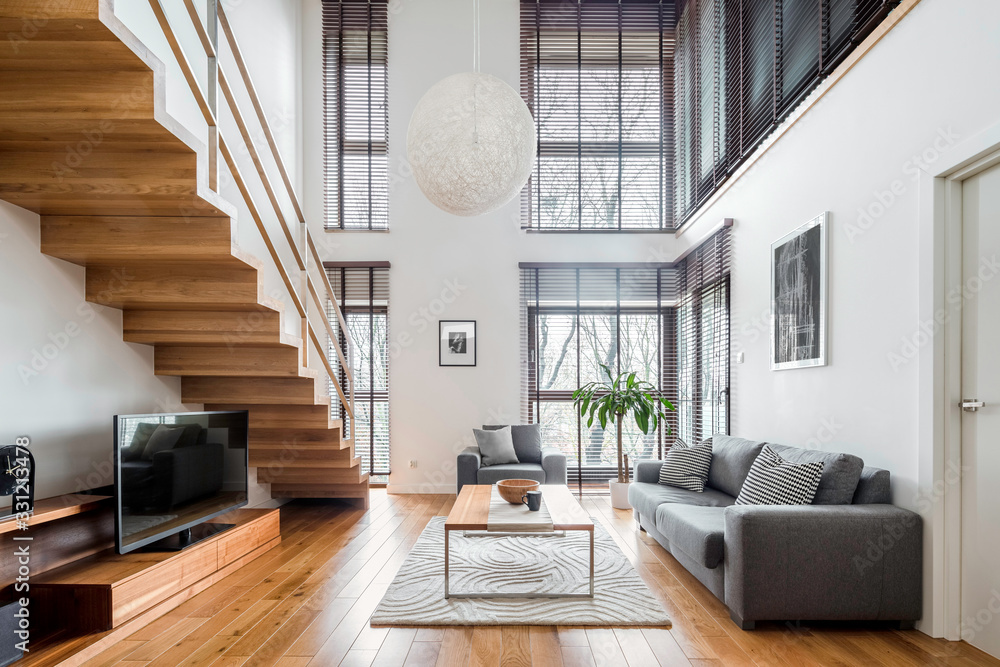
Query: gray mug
x,y
533,499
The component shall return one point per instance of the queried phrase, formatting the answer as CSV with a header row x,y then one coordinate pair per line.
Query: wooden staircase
x,y
123,190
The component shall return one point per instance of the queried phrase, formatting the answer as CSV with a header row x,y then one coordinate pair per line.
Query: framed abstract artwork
x,y
798,297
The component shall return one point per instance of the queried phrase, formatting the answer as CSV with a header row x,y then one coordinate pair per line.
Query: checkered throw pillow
x,y
775,481
687,467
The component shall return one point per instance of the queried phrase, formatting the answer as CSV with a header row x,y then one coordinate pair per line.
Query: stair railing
x,y
304,249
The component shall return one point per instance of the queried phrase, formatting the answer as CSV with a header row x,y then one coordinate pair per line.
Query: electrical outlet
x,y
739,357
413,463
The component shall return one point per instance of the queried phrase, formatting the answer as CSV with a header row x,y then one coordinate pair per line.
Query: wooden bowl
x,y
512,490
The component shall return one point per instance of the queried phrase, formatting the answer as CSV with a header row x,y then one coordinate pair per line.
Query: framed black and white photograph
x,y
798,297
457,343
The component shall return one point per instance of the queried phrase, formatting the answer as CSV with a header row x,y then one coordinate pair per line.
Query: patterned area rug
x,y
524,563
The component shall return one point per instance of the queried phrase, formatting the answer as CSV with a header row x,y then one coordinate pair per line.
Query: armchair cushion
x,y
527,440
502,471
496,447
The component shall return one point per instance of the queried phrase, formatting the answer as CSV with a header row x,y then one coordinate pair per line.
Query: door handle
x,y
971,405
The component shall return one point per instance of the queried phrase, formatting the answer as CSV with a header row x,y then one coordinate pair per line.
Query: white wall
x,y
64,369
433,409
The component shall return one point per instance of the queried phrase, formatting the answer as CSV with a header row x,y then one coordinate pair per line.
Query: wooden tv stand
x,y
108,590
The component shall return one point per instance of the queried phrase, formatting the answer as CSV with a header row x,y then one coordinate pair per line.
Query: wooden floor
x,y
308,603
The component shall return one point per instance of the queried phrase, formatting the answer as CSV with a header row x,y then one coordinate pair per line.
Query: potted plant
x,y
615,399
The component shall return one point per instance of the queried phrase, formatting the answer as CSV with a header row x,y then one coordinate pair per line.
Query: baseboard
x,y
425,489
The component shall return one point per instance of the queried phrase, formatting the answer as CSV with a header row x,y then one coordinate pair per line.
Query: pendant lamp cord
x,y
475,35
475,68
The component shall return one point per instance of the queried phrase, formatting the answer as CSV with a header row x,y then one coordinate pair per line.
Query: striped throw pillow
x,y
687,467
774,481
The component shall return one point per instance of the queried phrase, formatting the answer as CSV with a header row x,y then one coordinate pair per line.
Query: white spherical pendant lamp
x,y
471,141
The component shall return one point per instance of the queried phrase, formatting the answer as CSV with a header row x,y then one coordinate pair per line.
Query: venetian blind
x,y
667,322
598,78
355,114
742,66
363,295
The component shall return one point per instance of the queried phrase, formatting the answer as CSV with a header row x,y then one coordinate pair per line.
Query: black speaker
x,y
9,653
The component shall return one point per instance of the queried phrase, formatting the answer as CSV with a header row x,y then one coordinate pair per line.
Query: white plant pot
x,y
619,495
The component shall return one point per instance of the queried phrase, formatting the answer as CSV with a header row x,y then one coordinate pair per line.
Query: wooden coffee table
x,y
472,510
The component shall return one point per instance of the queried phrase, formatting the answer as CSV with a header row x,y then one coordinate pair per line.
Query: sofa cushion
x,y
697,531
687,467
497,473
873,487
841,473
645,498
527,441
496,447
731,461
774,481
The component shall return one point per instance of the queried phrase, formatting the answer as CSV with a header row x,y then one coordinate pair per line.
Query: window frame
x,y
533,67
338,146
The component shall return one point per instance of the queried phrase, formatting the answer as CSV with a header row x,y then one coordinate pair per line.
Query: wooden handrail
x,y
255,214
255,156
309,333
326,283
178,51
255,101
346,404
199,27
330,332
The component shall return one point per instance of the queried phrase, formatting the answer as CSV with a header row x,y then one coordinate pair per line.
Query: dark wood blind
x,y
363,295
742,66
667,322
598,78
355,114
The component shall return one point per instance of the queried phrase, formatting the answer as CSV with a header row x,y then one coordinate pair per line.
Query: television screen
x,y
174,472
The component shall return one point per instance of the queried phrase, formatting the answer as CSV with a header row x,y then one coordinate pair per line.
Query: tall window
x,y
667,322
742,66
598,78
363,295
355,114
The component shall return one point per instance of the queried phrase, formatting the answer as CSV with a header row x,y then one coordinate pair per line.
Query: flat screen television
x,y
176,472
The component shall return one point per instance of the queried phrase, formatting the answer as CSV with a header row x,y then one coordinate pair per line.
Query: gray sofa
x,y
851,555
546,465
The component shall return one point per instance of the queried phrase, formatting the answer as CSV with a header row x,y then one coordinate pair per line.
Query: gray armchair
x,y
551,470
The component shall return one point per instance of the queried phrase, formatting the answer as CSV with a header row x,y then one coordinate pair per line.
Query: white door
x,y
981,429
